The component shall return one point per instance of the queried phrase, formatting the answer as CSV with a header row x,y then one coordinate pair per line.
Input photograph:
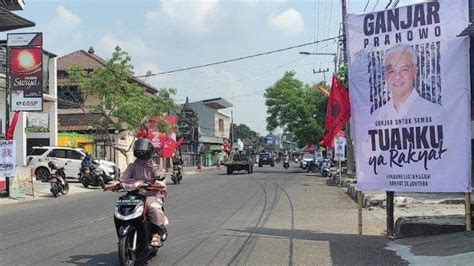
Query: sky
x,y
167,35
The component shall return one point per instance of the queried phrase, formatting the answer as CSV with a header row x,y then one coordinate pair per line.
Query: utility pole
x,y
350,146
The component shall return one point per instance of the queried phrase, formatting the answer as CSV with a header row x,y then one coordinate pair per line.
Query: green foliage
x,y
242,131
297,108
121,100
343,74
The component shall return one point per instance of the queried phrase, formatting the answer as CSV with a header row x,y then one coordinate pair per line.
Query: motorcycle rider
x,y
144,168
88,161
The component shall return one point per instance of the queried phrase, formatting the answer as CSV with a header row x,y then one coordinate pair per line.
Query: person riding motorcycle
x,y
144,168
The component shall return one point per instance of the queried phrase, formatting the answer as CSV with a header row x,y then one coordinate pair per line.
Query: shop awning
x,y
11,21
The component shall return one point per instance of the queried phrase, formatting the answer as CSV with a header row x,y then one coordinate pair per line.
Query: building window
x,y
221,125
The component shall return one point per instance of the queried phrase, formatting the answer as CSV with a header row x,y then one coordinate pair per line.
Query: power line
x,y
236,59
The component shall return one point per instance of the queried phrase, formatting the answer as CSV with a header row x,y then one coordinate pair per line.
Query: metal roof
x,y
11,21
13,4
217,103
469,31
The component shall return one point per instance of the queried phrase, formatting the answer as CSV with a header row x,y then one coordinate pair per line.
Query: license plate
x,y
128,202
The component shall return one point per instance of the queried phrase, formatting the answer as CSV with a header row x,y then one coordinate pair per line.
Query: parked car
x,y
308,157
265,159
69,158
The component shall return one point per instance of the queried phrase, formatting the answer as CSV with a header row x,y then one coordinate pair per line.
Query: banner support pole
x,y
467,205
390,207
359,212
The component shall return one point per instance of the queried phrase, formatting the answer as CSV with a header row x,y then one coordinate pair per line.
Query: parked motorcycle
x,y
57,179
132,227
177,174
325,168
91,174
313,166
286,163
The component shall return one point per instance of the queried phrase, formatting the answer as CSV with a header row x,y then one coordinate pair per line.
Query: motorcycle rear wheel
x,y
127,257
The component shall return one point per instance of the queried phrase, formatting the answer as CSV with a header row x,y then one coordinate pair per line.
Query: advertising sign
x,y
37,122
410,91
19,184
21,103
7,158
340,149
25,39
26,71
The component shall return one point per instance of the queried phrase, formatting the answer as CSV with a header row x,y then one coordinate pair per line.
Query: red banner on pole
x,y
338,111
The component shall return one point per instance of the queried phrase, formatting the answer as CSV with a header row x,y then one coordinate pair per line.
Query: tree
x,y
297,108
242,131
123,103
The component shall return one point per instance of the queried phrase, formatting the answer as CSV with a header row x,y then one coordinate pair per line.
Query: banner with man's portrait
x,y
410,97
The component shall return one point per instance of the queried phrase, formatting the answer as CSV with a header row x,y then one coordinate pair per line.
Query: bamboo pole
x,y
359,211
467,205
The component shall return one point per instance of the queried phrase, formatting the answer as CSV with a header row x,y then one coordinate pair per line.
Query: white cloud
x,y
289,21
134,46
188,16
64,26
65,20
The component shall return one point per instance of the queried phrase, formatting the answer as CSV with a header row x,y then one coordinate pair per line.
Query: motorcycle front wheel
x,y
66,187
126,255
55,190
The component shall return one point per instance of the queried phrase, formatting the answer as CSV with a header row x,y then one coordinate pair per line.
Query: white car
x,y
306,159
69,158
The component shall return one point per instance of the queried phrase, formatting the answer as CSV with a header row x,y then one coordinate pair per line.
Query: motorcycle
x,y
286,163
177,175
57,180
313,166
131,224
90,174
325,168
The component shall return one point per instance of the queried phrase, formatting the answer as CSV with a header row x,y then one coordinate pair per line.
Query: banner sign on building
x,y
7,158
26,71
410,91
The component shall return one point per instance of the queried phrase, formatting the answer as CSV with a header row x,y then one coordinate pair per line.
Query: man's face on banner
x,y
400,73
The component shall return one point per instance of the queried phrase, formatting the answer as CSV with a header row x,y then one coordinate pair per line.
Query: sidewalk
x,y
192,170
448,249
41,192
416,214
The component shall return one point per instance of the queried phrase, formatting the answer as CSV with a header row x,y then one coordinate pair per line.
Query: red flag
x,y
11,129
169,147
338,111
179,142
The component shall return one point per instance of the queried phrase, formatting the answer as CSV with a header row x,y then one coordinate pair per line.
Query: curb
x,y
413,226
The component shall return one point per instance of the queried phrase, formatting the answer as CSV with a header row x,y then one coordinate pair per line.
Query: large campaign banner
x,y
410,97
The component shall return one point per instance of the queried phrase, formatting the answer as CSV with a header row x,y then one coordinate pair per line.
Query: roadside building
x,y
213,127
77,119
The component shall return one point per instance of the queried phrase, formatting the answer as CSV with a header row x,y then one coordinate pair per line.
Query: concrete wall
x,y
206,116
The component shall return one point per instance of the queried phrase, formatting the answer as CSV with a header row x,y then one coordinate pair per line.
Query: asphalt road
x,y
273,217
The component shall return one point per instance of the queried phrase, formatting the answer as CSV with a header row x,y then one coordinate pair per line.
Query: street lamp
x,y
333,54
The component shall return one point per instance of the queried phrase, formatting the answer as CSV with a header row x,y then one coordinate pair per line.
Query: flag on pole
x,y
11,129
338,111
